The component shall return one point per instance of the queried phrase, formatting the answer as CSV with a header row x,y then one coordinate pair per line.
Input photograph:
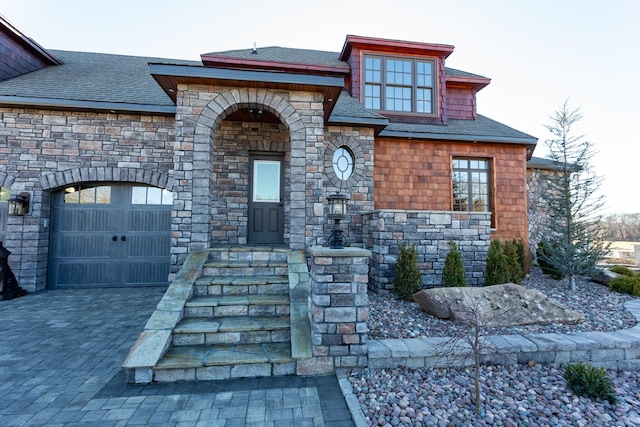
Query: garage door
x,y
110,235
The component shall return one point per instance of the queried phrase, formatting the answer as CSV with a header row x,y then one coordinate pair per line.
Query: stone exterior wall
x,y
339,309
230,192
200,111
42,151
359,187
538,216
429,231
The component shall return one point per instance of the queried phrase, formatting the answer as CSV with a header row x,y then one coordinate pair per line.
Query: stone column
x,y
339,308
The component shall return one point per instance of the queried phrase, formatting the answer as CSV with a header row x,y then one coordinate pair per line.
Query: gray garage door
x,y
110,235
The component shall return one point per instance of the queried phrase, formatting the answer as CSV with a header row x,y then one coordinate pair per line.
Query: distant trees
x,y
624,227
575,242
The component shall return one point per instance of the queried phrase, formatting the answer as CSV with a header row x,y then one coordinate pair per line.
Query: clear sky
x,y
537,53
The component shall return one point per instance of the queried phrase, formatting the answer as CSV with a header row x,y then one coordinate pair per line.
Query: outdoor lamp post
x,y
19,204
337,212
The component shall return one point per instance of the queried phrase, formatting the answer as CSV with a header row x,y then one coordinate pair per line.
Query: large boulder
x,y
498,305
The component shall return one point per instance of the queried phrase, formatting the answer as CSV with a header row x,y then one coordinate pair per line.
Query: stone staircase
x,y
237,320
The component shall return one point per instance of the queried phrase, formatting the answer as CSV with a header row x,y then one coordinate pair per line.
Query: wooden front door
x,y
266,207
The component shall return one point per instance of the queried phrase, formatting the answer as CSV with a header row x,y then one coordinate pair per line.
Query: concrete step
x,y
238,305
242,284
232,330
224,361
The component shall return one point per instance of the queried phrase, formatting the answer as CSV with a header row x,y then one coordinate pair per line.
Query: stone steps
x,y
231,312
238,318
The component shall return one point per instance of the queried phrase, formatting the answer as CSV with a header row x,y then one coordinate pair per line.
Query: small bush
x,y
542,253
408,279
497,271
514,252
623,284
587,380
622,270
453,274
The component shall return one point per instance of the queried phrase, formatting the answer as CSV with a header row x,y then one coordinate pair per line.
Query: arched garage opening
x,y
110,234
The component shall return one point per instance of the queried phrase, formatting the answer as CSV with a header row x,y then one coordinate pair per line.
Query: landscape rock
x,y
498,305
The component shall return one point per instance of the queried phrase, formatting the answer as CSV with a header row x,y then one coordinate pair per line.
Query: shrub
x,y
497,271
514,252
542,253
587,380
623,284
622,270
453,274
408,279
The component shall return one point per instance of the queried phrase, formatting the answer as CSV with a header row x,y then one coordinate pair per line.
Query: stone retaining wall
x,y
610,350
430,231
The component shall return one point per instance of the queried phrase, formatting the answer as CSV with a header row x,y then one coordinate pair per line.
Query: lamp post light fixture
x,y
19,204
337,212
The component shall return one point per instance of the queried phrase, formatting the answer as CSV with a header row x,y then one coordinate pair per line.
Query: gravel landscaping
x,y
520,395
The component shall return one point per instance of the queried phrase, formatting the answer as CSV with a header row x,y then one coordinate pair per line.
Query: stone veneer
x,y
430,231
42,151
339,309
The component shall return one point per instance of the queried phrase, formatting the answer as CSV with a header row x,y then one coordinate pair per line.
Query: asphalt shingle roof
x,y
93,77
108,78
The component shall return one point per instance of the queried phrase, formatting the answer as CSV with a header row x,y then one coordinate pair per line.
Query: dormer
x,y
408,81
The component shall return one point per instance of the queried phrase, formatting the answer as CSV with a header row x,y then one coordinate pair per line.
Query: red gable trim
x,y
476,83
225,62
395,46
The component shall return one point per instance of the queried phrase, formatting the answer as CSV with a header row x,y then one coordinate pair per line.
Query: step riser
x,y
280,270
271,288
249,337
238,310
212,373
248,256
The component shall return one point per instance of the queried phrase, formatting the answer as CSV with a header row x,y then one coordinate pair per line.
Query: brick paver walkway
x,y
60,357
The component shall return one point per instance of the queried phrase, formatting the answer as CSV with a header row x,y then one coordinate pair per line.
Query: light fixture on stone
x,y
256,112
19,204
337,212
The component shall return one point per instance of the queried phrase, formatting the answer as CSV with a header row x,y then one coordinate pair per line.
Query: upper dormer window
x,y
399,84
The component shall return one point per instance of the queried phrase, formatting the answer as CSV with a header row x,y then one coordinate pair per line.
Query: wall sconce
x,y
337,212
19,204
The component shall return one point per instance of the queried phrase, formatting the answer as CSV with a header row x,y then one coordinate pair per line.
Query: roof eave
x,y
378,124
169,76
461,137
99,106
29,43
226,62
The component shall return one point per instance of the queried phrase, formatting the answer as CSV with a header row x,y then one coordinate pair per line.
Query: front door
x,y
266,207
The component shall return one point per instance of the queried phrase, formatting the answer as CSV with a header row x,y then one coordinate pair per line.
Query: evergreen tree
x,y
497,271
408,279
453,274
575,242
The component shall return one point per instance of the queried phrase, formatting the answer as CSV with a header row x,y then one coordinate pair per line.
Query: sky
x,y
538,54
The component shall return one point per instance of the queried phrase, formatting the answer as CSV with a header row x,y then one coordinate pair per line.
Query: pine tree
x,y
575,242
408,279
497,271
453,274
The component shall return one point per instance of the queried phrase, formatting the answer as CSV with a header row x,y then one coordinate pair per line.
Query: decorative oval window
x,y
343,163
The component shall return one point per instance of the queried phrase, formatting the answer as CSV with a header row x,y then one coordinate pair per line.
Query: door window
x,y
266,181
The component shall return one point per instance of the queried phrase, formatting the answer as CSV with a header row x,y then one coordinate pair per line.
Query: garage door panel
x,y
87,273
84,246
149,221
74,219
147,273
115,241
148,246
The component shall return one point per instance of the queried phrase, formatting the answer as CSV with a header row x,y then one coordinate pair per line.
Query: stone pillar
x,y
339,308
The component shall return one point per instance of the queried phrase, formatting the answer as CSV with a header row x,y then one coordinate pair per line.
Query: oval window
x,y
343,163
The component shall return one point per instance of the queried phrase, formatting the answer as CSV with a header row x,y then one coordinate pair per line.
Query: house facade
x,y
130,163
